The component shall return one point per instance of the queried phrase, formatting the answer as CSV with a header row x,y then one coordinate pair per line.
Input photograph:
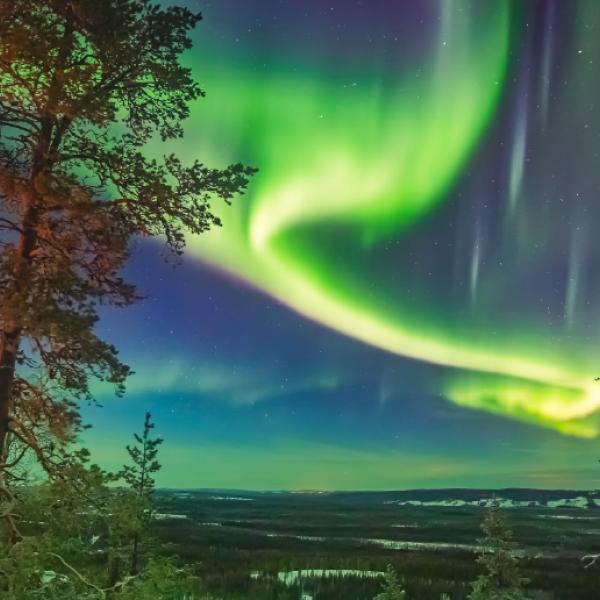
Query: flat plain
x,y
321,546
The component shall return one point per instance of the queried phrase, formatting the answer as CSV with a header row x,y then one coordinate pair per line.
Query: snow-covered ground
x,y
403,545
578,502
391,544
294,577
231,498
568,517
169,516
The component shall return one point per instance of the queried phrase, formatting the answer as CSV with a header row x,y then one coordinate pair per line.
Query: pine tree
x,y
84,85
139,476
501,579
392,589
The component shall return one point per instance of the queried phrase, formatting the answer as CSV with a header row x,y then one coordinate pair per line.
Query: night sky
x,y
408,294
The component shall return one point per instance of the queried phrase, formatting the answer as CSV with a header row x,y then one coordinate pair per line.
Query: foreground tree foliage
x,y
84,85
79,528
501,579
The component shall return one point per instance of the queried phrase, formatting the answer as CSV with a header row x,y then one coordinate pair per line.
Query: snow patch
x,y
169,516
290,578
231,498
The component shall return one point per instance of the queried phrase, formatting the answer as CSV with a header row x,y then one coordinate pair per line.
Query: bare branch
x,y
77,574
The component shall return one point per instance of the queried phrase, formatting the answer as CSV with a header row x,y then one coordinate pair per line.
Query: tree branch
x,y
77,574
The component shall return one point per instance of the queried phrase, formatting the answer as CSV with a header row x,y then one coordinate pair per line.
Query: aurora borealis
x,y
409,283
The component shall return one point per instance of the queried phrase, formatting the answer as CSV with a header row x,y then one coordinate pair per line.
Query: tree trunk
x,y
114,570
41,165
9,346
135,555
10,338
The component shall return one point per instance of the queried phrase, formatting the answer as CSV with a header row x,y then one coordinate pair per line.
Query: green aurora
x,y
355,159
370,163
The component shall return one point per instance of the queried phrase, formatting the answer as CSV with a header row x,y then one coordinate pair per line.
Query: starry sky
x,y
408,294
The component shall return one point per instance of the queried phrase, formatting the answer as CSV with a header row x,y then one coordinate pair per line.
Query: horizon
x,y
349,491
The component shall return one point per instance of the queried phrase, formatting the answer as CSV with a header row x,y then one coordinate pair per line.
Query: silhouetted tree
x,y
139,476
501,579
84,85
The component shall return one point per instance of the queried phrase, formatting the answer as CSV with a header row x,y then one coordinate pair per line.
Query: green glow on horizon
x,y
292,464
376,159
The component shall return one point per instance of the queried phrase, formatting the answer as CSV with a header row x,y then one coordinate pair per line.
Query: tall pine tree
x,y
84,85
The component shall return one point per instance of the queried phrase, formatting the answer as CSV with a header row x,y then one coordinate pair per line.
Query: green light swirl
x,y
368,161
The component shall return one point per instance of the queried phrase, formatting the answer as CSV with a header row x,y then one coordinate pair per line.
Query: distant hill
x,y
450,497
484,497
